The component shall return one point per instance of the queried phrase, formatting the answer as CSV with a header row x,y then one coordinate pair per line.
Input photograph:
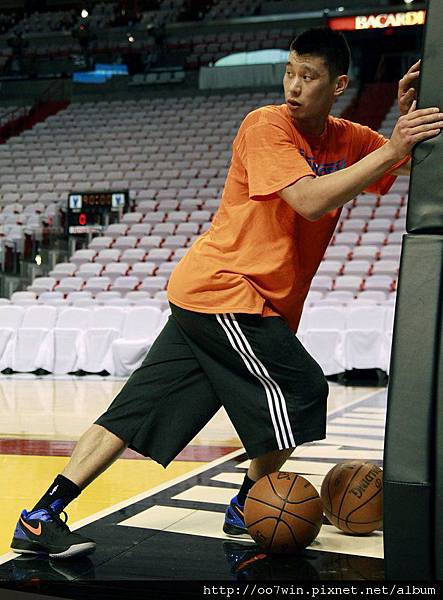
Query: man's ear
x,y
341,85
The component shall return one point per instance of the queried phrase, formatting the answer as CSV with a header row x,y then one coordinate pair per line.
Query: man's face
x,y
309,90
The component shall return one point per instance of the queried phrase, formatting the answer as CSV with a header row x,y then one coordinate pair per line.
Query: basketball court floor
x,y
157,524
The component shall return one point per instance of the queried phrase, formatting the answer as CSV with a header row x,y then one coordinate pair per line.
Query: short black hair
x,y
329,45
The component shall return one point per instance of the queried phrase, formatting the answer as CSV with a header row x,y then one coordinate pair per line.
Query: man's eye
x,y
307,77
288,73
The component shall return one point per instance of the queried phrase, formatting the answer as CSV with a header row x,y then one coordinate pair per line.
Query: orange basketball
x,y
352,495
283,513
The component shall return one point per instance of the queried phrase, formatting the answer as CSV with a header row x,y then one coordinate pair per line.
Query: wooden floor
x,y
41,419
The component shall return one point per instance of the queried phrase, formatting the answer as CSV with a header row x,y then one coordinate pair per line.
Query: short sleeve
x,y
370,141
271,157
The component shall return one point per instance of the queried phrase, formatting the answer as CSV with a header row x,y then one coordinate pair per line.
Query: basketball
x,y
352,495
283,513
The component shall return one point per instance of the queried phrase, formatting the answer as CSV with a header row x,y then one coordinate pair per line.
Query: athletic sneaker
x,y
234,520
43,531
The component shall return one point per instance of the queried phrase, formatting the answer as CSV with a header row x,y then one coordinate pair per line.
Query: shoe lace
x,y
58,519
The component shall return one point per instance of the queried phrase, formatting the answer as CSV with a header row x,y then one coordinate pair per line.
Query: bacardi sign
x,y
379,21
402,19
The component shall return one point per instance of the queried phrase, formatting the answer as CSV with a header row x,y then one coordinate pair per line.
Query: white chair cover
x,y
364,338
30,348
324,336
67,338
96,349
387,341
138,334
11,318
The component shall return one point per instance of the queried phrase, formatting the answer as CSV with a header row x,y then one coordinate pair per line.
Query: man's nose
x,y
295,86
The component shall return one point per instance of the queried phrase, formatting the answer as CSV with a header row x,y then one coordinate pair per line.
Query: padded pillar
x,y
410,429
438,508
425,205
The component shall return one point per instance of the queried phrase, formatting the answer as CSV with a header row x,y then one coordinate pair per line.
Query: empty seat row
x,y
372,225
116,339
122,284
168,215
344,338
149,251
365,252
87,270
354,283
345,297
86,299
373,238
111,338
359,267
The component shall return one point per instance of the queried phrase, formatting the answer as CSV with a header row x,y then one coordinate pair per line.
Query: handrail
x,y
14,121
51,91
13,114
48,94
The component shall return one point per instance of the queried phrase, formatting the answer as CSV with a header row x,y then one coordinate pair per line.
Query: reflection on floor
x,y
173,531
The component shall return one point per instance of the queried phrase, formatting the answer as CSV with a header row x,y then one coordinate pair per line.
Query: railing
x,y
14,121
55,92
12,115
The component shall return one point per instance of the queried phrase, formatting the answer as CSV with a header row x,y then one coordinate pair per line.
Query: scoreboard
x,y
91,212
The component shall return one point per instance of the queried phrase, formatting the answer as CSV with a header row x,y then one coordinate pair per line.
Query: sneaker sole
x,y
77,550
234,531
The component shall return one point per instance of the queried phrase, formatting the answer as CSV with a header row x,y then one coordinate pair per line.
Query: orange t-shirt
x,y
259,256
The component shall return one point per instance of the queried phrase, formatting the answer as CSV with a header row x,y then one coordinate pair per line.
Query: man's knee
x,y
319,387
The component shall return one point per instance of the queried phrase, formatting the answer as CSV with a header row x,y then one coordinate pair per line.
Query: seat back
x,y
11,316
326,318
75,318
41,316
141,322
108,317
366,317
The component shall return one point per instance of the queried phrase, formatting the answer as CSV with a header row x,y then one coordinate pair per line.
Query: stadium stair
x,y
372,104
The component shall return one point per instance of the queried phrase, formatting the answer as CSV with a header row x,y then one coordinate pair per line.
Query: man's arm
x,y
313,197
404,169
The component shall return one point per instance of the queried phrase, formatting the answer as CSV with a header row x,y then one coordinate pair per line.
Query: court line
x,y
206,467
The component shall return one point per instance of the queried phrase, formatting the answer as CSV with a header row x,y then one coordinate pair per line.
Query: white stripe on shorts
x,y
274,394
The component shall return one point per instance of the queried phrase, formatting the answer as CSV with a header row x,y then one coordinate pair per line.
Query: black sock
x,y
245,487
59,494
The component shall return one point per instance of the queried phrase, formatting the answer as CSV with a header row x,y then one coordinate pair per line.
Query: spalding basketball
x,y
352,495
283,513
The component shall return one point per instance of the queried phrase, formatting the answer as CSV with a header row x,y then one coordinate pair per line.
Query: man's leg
x,y
268,463
273,391
259,467
141,416
96,450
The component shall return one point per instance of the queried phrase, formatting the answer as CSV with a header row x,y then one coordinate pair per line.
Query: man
x,y
237,296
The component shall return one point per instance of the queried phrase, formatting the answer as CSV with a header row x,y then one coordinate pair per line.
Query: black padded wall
x,y
438,504
410,428
425,206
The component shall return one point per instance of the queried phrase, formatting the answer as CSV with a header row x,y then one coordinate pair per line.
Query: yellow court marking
x,y
26,478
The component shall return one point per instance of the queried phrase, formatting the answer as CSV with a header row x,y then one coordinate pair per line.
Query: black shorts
x,y
272,389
